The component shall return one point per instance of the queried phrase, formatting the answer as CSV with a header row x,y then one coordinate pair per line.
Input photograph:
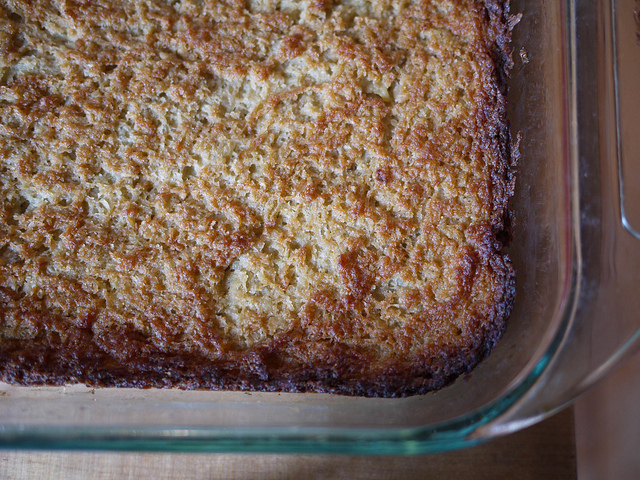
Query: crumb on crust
x,y
263,195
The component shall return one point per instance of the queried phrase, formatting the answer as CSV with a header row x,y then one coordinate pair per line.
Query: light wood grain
x,y
544,451
608,426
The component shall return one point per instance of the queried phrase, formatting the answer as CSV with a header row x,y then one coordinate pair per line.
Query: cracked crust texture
x,y
261,195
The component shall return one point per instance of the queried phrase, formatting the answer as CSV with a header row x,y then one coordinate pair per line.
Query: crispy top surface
x,y
213,176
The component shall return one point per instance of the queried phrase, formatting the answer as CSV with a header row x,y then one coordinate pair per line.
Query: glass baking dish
x,y
577,254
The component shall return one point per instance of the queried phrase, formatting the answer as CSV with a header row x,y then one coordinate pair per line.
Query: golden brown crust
x,y
264,195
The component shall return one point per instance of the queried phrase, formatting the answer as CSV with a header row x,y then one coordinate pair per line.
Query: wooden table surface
x,y
544,451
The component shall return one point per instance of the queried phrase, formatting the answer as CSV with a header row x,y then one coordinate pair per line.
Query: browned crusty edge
x,y
255,195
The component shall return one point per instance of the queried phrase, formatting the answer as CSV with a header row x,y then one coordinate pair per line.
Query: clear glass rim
x,y
446,435
463,431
